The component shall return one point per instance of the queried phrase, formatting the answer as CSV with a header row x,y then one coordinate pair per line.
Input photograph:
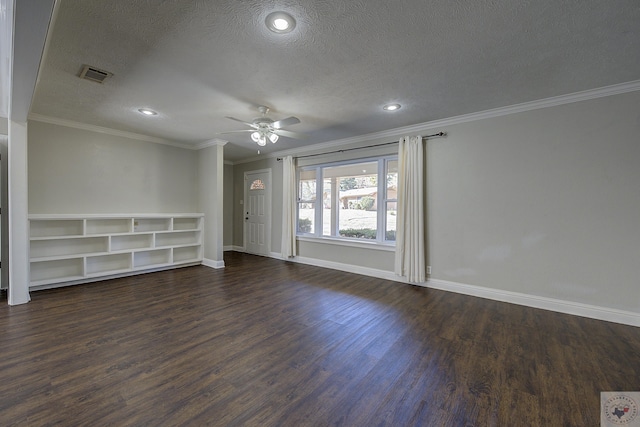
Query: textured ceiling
x,y
197,61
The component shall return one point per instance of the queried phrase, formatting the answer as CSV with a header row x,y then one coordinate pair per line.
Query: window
x,y
257,185
349,200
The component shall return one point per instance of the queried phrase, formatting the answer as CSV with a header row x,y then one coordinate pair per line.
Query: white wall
x,y
542,203
80,171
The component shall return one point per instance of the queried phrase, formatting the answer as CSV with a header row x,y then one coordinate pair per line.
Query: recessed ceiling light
x,y
280,22
147,112
391,107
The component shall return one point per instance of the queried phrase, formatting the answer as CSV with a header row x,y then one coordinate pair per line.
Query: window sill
x,y
350,243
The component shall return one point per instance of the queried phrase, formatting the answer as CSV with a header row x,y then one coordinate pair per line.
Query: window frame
x,y
382,200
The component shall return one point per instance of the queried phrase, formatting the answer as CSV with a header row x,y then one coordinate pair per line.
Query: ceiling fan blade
x,y
285,122
290,134
242,121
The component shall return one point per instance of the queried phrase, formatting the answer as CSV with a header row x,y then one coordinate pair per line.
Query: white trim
x,y
486,114
108,131
544,303
210,143
213,264
373,245
349,268
552,304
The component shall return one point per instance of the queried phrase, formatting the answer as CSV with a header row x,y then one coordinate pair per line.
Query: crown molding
x,y
420,128
210,143
616,89
105,130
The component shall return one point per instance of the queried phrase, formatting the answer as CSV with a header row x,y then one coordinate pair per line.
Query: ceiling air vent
x,y
94,74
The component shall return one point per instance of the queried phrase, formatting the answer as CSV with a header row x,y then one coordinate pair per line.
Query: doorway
x,y
257,212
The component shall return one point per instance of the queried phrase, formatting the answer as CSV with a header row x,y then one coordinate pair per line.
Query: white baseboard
x,y
552,304
365,271
213,264
233,248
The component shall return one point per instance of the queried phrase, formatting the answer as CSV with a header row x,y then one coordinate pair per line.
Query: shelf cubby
x,y
186,253
126,242
108,263
177,238
151,224
151,258
56,227
186,223
67,247
108,226
51,271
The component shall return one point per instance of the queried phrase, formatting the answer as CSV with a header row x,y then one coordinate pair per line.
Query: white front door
x,y
257,212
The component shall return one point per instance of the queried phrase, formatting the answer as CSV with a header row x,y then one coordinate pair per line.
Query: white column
x,y
18,214
211,183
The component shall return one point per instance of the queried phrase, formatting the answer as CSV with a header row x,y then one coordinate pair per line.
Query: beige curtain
x,y
289,198
410,227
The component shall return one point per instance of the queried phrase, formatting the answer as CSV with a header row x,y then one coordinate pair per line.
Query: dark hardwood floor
x,y
271,343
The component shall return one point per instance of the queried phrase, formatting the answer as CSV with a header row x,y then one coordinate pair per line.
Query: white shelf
x,y
76,248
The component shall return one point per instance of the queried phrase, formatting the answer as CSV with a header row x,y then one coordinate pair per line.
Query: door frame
x,y
268,198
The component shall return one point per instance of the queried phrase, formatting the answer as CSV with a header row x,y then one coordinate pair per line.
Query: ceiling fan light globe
x,y
255,136
273,137
262,141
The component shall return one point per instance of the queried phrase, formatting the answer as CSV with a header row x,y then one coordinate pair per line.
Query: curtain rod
x,y
439,134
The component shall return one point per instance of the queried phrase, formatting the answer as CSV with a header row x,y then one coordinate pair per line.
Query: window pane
x,y
391,212
392,178
391,204
355,210
306,201
326,208
306,189
257,185
306,215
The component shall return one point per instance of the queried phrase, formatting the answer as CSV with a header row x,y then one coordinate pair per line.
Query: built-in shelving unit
x,y
70,249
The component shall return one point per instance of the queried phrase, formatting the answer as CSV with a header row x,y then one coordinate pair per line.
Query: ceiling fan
x,y
265,129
